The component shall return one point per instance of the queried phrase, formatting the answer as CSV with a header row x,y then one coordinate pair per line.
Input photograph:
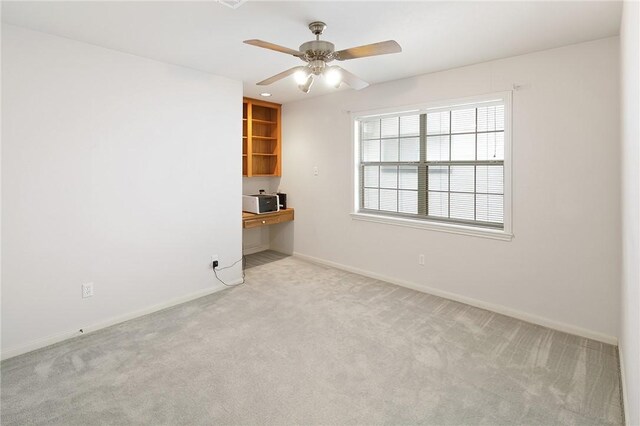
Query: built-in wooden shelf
x,y
261,138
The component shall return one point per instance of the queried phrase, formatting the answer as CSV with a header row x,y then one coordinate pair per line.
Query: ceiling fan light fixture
x,y
333,77
307,84
301,77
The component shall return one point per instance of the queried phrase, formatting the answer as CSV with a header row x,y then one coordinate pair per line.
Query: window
x,y
445,165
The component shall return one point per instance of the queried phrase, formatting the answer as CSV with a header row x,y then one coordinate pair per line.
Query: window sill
x,y
494,234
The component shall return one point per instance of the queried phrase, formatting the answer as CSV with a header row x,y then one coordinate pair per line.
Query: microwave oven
x,y
260,203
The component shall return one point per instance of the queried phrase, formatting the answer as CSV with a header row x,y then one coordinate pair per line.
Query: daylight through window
x,y
444,164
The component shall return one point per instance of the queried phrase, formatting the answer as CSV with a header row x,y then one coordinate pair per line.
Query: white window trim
x,y
505,234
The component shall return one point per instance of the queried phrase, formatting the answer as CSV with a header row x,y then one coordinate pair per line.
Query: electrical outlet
x,y
421,259
214,261
87,290
316,171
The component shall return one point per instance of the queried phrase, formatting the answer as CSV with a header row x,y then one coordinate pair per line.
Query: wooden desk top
x,y
253,220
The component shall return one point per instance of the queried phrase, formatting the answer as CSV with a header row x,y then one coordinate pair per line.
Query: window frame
x,y
456,227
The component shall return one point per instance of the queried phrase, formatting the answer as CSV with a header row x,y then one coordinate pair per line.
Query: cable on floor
x,y
243,259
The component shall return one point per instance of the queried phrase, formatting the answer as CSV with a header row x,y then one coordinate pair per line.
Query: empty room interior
x,y
244,212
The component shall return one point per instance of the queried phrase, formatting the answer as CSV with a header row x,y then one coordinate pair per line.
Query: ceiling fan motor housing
x,y
317,50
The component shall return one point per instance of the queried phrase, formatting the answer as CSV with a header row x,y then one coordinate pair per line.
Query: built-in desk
x,y
252,220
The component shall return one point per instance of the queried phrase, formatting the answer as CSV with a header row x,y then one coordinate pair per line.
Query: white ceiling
x,y
208,36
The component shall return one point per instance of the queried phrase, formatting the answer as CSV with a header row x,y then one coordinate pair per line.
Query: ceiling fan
x,y
317,53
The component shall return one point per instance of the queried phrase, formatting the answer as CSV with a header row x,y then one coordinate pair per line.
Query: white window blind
x,y
444,164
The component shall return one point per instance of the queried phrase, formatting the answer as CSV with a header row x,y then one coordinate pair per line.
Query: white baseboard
x,y
524,316
255,249
50,340
623,383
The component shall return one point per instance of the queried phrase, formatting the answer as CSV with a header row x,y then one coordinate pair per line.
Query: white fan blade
x,y
351,79
280,76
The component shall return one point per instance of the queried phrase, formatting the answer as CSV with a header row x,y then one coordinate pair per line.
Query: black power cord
x,y
243,259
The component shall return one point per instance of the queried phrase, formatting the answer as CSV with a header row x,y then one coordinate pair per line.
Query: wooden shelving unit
x,y
261,138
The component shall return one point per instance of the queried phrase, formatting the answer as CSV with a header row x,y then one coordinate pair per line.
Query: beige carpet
x,y
306,344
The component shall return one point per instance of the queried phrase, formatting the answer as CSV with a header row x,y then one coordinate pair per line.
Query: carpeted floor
x,y
306,344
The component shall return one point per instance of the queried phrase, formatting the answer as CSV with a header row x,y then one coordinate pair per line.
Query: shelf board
x,y
244,137
265,155
265,137
244,155
257,120
244,119
264,174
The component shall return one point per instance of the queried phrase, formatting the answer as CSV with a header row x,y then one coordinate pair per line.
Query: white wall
x,y
116,170
562,268
630,294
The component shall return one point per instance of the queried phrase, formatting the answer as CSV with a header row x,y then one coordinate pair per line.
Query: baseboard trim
x,y
623,384
57,338
524,316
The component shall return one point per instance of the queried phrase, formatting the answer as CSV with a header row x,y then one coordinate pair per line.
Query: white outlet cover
x,y
87,290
